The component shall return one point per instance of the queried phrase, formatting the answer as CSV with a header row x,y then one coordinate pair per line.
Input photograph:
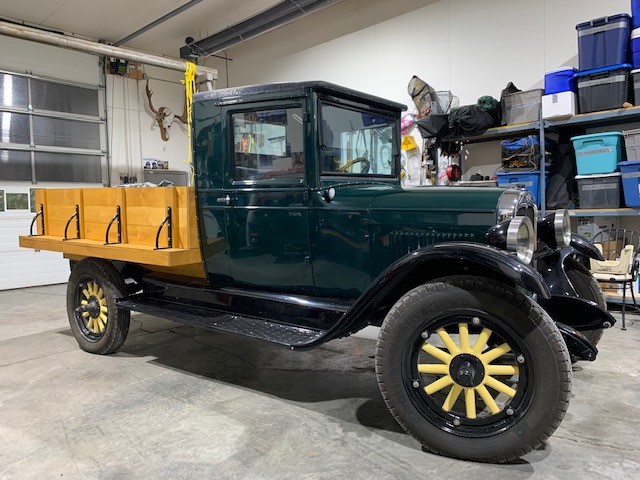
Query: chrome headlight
x,y
555,229
511,202
562,227
521,238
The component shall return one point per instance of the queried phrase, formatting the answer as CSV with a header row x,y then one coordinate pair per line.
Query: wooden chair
x,y
619,247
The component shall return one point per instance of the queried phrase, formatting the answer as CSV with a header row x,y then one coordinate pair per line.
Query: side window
x,y
268,145
356,142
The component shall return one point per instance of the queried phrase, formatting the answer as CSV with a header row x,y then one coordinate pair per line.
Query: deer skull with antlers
x,y
164,116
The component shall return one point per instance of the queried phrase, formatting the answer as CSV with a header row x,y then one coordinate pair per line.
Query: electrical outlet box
x,y
127,178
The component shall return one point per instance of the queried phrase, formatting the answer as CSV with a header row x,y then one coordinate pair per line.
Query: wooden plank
x,y
40,200
99,207
126,253
191,270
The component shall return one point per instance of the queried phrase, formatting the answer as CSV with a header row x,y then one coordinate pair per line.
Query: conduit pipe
x,y
87,46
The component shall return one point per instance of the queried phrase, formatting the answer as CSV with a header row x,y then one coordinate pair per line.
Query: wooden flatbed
x,y
153,226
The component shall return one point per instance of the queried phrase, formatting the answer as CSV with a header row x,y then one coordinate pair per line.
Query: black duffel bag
x,y
434,126
469,120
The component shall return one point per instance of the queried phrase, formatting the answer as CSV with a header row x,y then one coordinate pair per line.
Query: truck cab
x,y
302,183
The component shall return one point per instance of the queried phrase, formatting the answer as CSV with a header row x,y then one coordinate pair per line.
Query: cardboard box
x,y
589,227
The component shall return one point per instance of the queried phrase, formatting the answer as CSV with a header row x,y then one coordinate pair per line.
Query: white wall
x,y
470,47
133,133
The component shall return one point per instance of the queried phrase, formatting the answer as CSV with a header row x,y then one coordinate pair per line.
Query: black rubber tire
x,y
550,363
588,288
113,286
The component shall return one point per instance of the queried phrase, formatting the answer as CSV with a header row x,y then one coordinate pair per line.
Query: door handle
x,y
226,200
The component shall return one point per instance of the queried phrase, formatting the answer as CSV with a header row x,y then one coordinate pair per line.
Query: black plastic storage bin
x,y
635,82
603,88
604,41
599,191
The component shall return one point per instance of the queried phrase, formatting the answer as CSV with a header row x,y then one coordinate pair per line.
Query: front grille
x,y
402,242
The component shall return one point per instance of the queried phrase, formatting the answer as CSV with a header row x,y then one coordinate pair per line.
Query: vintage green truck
x,y
298,231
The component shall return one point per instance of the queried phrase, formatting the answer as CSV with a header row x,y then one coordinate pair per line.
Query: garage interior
x,y
178,401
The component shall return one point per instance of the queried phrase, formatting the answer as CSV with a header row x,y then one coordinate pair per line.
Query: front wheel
x,y
92,291
473,369
587,287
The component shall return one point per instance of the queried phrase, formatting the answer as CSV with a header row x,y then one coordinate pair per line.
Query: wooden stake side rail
x,y
134,236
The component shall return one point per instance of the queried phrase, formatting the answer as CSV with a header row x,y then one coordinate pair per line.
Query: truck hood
x,y
442,199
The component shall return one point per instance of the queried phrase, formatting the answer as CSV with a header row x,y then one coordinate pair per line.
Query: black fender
x,y
428,264
578,313
582,246
579,347
552,265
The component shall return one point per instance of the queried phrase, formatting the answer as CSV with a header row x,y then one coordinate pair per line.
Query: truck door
x,y
266,198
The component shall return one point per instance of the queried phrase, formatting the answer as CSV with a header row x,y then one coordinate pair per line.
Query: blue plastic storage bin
x,y
527,180
598,152
560,80
635,13
603,41
635,48
631,182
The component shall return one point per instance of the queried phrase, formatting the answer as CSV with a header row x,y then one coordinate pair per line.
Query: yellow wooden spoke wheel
x,y
93,290
93,308
472,374
473,368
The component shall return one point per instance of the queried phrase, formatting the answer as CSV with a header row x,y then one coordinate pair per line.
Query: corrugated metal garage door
x,y
52,135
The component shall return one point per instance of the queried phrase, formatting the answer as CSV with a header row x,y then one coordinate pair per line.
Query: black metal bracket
x,y
33,222
167,222
116,217
66,227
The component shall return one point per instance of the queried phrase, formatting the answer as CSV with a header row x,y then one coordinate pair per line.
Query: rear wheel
x,y
96,322
473,369
588,288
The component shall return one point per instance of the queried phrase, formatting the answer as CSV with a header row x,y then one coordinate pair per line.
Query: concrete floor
x,y
177,402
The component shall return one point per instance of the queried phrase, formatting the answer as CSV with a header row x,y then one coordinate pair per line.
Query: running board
x,y
253,327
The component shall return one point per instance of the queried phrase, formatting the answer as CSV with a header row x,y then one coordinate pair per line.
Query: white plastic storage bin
x,y
632,143
561,104
599,191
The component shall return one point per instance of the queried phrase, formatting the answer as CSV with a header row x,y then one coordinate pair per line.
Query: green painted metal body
x,y
285,234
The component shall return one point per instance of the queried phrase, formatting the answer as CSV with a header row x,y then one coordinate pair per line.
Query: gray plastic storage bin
x,y
599,191
632,143
521,107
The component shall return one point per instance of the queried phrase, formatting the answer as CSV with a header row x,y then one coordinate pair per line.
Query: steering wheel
x,y
365,168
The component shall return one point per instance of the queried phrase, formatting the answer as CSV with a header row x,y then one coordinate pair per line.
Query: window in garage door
x,y
50,131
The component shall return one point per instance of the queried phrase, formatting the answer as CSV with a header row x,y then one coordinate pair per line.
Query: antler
x,y
149,93
183,117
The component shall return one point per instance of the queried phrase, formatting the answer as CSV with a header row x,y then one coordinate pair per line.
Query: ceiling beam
x,y
95,48
278,15
157,22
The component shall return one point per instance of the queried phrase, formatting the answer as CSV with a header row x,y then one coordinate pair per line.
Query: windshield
x,y
357,142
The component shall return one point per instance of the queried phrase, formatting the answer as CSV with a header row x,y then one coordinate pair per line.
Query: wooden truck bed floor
x,y
144,254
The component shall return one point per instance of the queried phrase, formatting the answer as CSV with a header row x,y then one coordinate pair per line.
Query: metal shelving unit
x,y
579,122
605,212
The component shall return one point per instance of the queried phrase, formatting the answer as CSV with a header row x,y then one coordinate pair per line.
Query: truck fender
x,y
579,347
429,264
553,266
580,245
578,313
